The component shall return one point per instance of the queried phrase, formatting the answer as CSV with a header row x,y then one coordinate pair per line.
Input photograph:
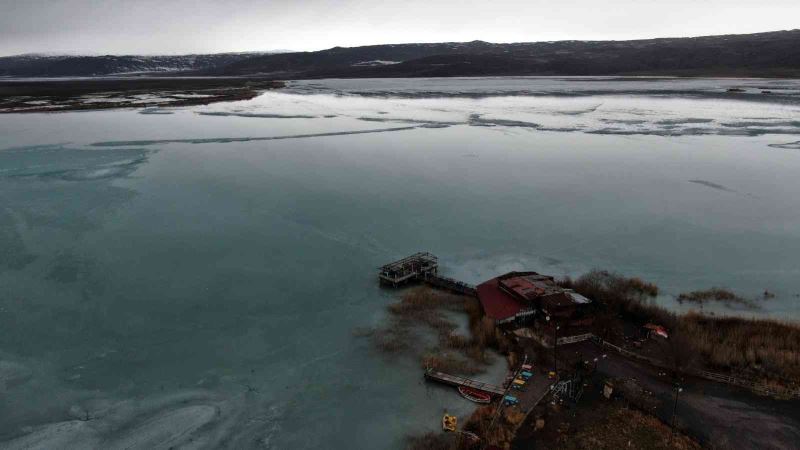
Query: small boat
x,y
449,422
474,395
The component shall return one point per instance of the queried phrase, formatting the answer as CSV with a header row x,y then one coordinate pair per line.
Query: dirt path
x,y
714,414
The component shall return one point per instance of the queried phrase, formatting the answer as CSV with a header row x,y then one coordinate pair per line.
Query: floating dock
x,y
455,380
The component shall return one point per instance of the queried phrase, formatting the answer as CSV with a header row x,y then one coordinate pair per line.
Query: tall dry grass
x,y
716,294
499,432
766,350
618,295
452,352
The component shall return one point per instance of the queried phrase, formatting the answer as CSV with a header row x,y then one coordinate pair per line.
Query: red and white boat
x,y
474,395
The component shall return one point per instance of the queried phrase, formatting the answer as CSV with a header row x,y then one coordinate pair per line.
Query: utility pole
x,y
555,350
678,390
555,344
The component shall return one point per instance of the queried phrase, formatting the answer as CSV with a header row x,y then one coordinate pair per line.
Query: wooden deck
x,y
455,380
415,267
422,267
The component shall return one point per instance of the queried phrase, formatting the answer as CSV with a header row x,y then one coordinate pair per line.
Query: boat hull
x,y
474,395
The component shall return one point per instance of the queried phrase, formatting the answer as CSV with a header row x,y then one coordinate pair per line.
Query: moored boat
x,y
474,395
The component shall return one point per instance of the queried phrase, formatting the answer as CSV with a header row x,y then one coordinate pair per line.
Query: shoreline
x,y
644,390
90,94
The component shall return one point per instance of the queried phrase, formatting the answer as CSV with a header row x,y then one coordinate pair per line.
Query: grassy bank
x,y
762,349
23,96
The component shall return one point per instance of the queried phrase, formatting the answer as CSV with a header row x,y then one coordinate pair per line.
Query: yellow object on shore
x,y
519,382
449,422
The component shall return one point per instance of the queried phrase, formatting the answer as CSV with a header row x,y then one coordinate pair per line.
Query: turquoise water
x,y
195,280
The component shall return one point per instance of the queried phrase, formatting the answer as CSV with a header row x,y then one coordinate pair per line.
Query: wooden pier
x,y
413,268
455,380
422,267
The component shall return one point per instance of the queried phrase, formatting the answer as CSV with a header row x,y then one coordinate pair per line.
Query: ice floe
x,y
224,140
788,145
712,185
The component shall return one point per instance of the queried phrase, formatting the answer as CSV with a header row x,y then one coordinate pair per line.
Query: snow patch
x,y
375,62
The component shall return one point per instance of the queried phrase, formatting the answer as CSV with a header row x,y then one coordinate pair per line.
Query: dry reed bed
x,y
716,294
452,352
626,428
764,349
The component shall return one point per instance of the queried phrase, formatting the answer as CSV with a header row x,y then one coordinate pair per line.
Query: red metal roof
x,y
527,285
497,304
522,287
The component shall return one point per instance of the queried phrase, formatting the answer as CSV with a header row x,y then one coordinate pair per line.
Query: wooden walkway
x,y
451,284
422,266
455,380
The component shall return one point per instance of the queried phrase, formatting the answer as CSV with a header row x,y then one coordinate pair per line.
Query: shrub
x,y
715,294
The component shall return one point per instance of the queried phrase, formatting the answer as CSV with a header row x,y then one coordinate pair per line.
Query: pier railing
x,y
414,267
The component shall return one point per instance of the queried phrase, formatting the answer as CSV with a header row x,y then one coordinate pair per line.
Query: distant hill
x,y
761,54
773,54
34,65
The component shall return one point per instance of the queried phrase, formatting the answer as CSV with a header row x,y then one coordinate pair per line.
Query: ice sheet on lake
x,y
69,163
782,90
38,186
180,420
596,111
155,111
256,115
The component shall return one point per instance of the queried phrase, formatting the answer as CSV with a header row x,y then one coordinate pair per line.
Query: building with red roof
x,y
518,294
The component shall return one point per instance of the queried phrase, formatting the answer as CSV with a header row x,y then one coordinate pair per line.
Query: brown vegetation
x,y
766,350
71,94
715,294
433,441
452,352
626,428
620,296
498,430
601,283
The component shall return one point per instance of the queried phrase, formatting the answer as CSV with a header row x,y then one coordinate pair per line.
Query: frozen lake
x,y
193,277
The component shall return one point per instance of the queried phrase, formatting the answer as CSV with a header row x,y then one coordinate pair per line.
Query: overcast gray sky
x,y
184,26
